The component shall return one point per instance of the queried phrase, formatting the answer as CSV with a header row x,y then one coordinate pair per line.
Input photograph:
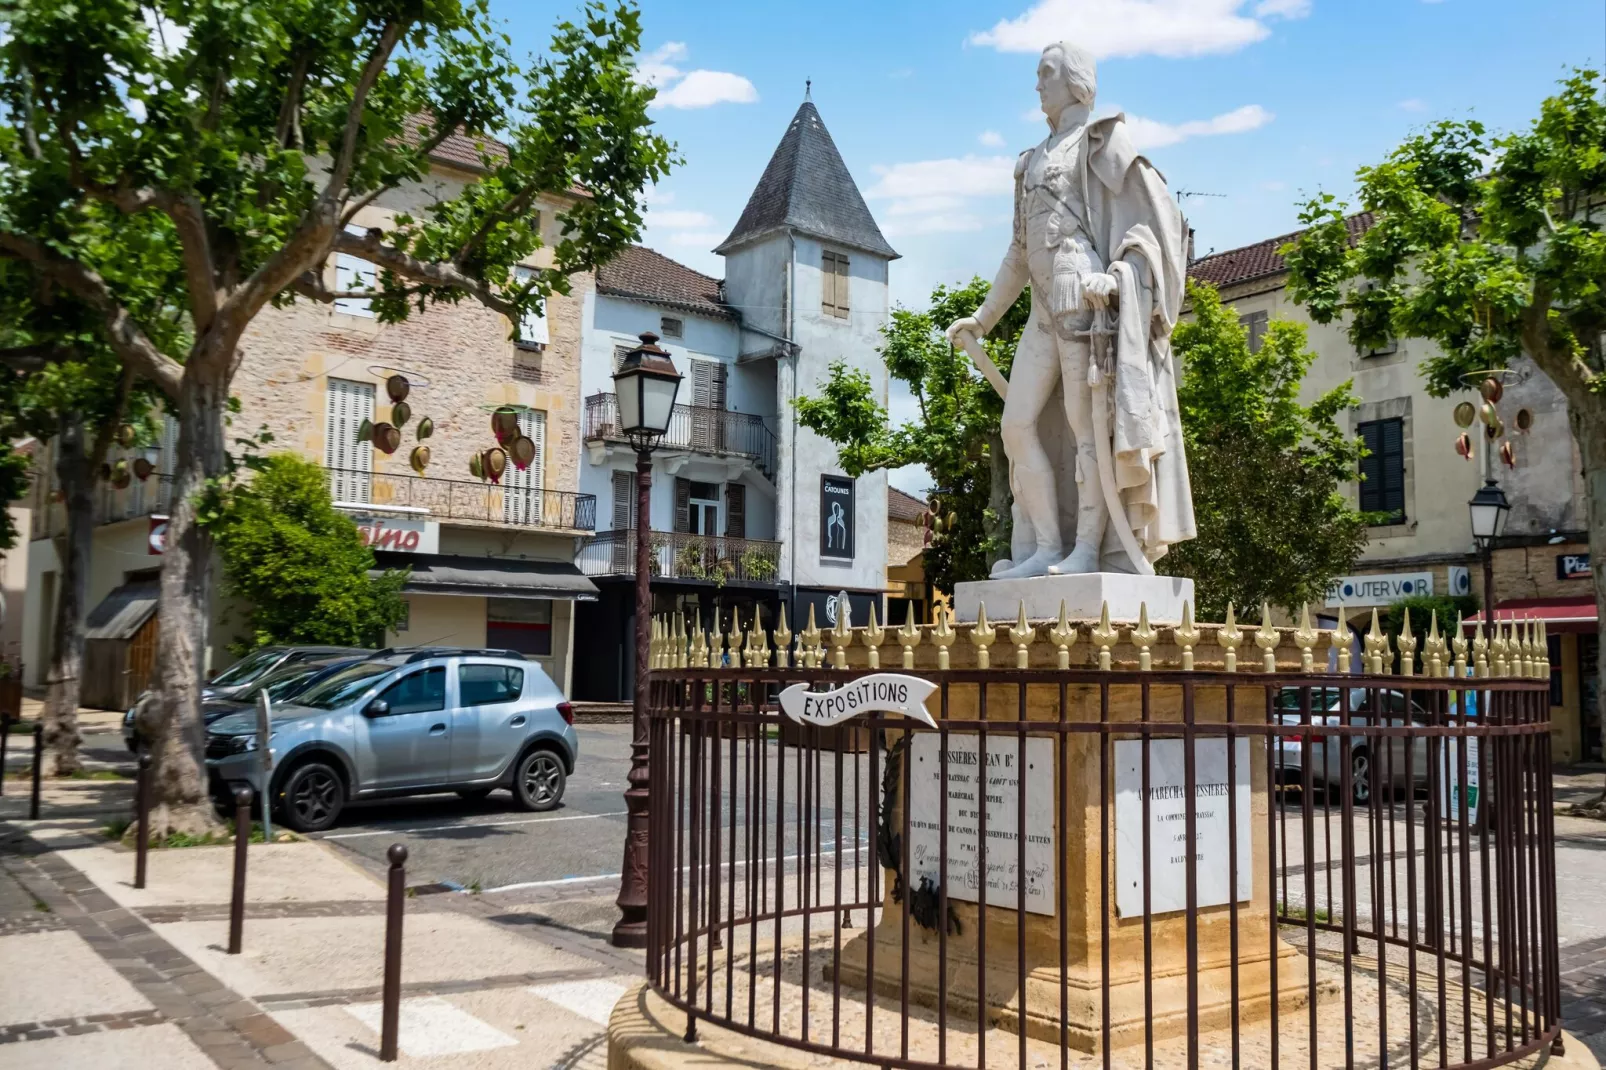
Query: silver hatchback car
x,y
407,723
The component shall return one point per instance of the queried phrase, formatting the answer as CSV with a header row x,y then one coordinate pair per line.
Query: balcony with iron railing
x,y
692,427
466,500
684,556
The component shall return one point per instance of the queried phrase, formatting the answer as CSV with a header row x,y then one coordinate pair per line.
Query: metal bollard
x,y
142,814
38,768
391,1008
242,840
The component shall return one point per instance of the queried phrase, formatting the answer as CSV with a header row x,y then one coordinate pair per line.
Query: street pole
x,y
631,929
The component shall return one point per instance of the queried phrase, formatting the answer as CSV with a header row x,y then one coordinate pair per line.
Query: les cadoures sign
x,y
882,692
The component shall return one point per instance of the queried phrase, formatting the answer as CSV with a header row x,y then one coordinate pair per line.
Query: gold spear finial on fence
x,y
1377,645
783,641
1305,639
1143,637
1406,644
1497,650
1186,635
1342,639
1531,647
1228,636
909,638
1542,669
1022,635
1459,644
982,637
943,635
1267,638
1105,637
810,639
1433,649
1064,637
695,653
719,641
872,637
1480,651
677,641
842,634
761,641
741,641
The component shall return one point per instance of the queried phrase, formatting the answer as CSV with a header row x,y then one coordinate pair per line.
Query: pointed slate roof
x,y
807,188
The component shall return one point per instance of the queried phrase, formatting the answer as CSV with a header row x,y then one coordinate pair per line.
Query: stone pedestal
x,y
1084,596
1240,961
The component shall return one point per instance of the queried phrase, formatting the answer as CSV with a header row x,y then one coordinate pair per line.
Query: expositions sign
x,y
886,692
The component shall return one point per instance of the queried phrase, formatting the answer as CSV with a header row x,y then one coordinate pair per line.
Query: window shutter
x,y
834,284
702,383
619,354
348,404
532,325
624,501
1383,469
735,511
721,378
682,504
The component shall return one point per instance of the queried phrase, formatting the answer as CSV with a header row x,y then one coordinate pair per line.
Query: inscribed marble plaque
x,y
1167,825
994,784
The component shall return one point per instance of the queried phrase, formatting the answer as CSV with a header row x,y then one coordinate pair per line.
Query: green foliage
x,y
1489,246
299,564
955,435
1273,524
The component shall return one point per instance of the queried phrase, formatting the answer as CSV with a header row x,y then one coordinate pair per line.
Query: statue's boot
x,y
1036,565
1091,520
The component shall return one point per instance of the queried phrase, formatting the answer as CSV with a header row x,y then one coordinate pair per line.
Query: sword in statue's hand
x,y
973,347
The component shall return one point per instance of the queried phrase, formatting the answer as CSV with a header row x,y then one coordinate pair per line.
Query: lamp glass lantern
x,y
1489,509
646,384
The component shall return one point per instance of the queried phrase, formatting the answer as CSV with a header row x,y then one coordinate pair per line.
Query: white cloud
x,y
694,89
1140,27
680,220
1413,104
991,138
936,196
1153,134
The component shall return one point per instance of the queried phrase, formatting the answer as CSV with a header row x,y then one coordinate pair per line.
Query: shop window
x,y
521,624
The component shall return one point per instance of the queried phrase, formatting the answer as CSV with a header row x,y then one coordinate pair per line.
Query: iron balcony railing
x,y
152,495
693,427
677,555
454,499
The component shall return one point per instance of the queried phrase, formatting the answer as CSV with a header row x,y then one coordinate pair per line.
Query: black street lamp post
x,y
645,385
1488,508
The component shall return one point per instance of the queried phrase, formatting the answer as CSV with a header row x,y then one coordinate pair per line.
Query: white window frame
x,y
533,331
347,404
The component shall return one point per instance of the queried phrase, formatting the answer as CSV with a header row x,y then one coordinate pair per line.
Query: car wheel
x,y
539,781
312,797
1360,776
474,794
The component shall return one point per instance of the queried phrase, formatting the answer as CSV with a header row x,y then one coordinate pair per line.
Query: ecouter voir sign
x,y
1167,825
886,692
402,534
993,783
1381,590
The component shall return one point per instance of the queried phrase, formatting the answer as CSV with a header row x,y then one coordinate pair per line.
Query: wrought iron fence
x,y
678,555
152,495
1372,881
692,427
451,499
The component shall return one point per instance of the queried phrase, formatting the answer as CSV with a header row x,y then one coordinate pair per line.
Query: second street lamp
x,y
645,386
1488,509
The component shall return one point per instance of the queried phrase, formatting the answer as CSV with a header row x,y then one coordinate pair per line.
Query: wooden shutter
x,y
521,491
708,378
682,504
624,501
834,284
1383,468
735,511
348,404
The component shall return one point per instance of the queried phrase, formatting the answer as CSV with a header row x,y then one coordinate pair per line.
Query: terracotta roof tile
x,y
905,507
1260,260
647,275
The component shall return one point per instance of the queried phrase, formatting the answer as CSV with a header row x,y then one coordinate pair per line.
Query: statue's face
x,y
1053,88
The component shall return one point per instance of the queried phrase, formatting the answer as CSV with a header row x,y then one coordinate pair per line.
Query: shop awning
x,y
1572,614
123,612
489,577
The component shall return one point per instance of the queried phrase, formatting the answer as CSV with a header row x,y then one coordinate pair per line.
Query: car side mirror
x,y
377,708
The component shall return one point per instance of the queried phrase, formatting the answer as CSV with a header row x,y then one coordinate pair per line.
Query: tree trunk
x,y
76,474
1589,430
172,716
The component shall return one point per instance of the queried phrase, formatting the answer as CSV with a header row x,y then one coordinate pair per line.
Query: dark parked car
x,y
282,684
237,679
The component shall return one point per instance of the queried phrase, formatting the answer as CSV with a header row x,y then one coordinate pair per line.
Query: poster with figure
x,y
836,517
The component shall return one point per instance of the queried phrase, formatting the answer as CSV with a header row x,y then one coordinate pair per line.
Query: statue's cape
x,y
1140,227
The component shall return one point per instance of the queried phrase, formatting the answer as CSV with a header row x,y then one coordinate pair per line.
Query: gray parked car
x,y
1327,764
405,723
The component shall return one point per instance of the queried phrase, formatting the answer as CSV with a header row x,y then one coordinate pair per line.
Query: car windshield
x,y
283,685
344,685
247,668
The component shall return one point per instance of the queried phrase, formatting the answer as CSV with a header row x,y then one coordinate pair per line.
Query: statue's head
x,y
1066,75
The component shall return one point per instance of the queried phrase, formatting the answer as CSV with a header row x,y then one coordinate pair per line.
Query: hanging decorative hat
x,y
1465,413
1508,455
125,435
120,475
505,424
1492,390
365,431
426,427
143,468
495,463
397,387
522,450
387,438
400,413
1463,445
476,466
419,459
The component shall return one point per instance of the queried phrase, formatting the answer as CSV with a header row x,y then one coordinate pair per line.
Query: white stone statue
x,y
1100,240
